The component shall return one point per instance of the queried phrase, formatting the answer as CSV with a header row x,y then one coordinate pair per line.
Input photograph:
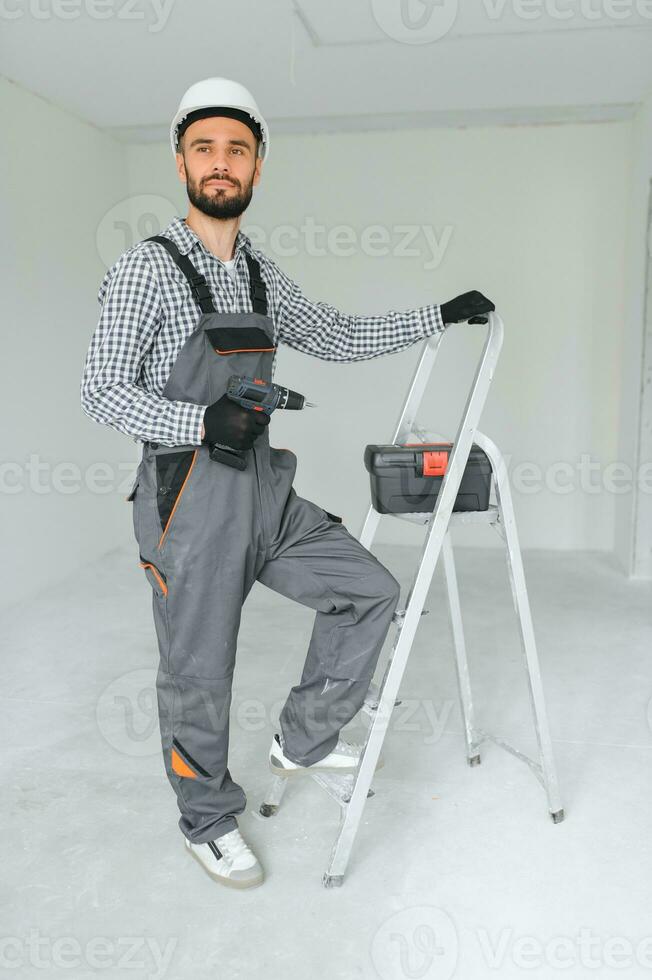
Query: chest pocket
x,y
239,340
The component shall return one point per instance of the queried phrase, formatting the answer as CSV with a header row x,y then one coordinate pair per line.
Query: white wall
x,y
537,220
633,536
58,177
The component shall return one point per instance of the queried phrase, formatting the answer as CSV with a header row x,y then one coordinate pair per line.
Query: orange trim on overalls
x,y
156,574
242,350
176,502
180,767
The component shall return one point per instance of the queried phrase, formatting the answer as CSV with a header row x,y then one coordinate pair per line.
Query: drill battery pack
x,y
407,478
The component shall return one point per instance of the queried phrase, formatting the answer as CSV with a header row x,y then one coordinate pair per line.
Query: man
x,y
181,312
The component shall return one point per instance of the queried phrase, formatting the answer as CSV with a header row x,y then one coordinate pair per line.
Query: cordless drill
x,y
260,396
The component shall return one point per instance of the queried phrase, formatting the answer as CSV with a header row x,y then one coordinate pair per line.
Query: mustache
x,y
217,177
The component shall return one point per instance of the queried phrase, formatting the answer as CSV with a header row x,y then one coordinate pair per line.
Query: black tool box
x,y
406,478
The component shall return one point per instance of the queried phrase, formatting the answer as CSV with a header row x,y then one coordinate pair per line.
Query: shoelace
x,y
233,845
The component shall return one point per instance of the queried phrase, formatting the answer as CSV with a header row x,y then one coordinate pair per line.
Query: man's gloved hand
x,y
232,425
467,307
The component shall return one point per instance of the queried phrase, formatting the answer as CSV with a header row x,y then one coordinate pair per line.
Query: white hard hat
x,y
220,93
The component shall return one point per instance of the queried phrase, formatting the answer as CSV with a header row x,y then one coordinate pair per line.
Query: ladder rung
x,y
488,516
412,518
339,787
372,700
399,615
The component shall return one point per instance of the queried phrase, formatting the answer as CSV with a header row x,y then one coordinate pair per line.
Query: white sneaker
x,y
229,860
343,758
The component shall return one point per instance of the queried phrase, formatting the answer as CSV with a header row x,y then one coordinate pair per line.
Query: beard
x,y
220,202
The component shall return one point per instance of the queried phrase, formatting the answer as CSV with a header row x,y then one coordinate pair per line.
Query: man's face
x,y
219,166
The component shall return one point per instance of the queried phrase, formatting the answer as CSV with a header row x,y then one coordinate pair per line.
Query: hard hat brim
x,y
263,148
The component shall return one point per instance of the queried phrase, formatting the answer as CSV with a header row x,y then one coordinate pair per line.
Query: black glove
x,y
467,307
230,424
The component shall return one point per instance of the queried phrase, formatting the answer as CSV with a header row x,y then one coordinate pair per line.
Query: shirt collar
x,y
186,239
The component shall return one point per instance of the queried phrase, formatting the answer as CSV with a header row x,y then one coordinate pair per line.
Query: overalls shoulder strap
x,y
199,286
257,288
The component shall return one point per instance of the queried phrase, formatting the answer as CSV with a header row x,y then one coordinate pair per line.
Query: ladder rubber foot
x,y
558,816
332,881
268,809
474,760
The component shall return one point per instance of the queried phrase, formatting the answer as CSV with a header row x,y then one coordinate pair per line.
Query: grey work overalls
x,y
206,532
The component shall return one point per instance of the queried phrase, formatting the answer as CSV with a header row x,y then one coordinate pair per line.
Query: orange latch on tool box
x,y
435,463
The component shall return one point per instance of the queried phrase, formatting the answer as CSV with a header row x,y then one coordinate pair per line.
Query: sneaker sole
x,y
279,770
229,882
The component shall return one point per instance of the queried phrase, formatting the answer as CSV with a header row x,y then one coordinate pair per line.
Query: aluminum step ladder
x,y
351,790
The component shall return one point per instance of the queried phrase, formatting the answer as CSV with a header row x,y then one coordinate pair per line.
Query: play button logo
x,y
415,21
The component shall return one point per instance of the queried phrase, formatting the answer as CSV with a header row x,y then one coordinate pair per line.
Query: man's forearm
x,y
130,409
324,331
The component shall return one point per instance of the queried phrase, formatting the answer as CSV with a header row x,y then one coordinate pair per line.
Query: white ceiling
x,y
317,65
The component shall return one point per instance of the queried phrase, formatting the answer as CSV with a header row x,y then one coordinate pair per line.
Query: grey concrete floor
x,y
456,872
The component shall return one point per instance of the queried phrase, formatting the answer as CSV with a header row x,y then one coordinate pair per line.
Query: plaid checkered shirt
x,y
148,313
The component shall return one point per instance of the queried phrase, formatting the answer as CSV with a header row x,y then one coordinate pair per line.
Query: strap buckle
x,y
258,290
199,286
